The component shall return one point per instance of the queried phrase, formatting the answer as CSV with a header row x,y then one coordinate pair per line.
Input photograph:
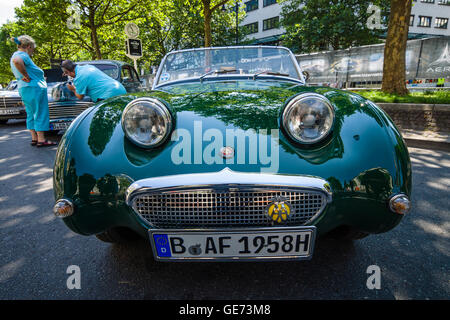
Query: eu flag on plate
x,y
162,245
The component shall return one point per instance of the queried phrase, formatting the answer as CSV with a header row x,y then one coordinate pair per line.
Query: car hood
x,y
361,134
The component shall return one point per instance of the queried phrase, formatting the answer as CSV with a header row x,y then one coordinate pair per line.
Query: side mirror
x,y
306,75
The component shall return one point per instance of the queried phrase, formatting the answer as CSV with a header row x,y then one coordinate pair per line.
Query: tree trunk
x,y
94,35
207,14
394,66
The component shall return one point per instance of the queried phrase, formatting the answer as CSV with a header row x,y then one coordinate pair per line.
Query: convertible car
x,y
231,156
11,105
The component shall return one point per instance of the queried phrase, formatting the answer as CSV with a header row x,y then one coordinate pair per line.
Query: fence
x,y
427,65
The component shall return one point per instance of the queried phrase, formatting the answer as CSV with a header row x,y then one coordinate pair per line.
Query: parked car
x,y
232,156
64,106
11,105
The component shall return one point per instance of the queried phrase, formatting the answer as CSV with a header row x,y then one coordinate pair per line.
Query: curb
x,y
427,144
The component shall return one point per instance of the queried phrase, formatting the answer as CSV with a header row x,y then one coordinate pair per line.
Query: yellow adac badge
x,y
279,210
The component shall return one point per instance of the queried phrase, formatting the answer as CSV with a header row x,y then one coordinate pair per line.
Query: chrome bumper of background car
x,y
227,199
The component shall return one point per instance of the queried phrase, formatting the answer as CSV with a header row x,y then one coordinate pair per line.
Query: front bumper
x,y
13,113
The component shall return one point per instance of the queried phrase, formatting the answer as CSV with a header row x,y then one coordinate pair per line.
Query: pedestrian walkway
x,y
427,139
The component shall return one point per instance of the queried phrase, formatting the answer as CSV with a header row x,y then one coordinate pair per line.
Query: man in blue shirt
x,y
90,81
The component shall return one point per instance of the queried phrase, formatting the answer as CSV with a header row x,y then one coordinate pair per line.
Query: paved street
x,y
36,248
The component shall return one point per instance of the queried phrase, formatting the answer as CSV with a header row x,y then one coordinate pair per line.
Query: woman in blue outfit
x,y
32,89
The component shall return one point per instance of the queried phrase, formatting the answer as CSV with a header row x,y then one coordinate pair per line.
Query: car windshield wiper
x,y
221,71
271,73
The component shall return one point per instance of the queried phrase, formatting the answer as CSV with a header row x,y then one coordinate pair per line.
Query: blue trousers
x,y
36,104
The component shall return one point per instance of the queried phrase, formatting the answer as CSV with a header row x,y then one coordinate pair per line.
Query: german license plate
x,y
9,111
294,243
59,125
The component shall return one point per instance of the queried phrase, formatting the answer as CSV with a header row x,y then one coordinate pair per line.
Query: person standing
x,y
90,81
32,89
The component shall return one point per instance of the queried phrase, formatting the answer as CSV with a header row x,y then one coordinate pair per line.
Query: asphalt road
x,y
36,248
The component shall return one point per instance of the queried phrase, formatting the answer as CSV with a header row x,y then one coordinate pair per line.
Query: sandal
x,y
46,143
33,142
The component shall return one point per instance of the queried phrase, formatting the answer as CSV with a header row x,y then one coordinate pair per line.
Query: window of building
x,y
424,21
411,20
441,23
269,2
251,28
444,2
271,23
427,1
251,5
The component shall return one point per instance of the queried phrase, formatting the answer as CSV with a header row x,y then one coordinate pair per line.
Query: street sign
x,y
134,48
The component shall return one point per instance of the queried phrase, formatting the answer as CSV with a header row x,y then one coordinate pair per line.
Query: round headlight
x,y
146,122
56,93
308,118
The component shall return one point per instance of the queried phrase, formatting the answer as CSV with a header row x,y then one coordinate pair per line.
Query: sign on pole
x,y
134,48
133,44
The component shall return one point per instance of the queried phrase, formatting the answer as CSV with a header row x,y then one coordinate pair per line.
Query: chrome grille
x,y
11,102
209,208
57,111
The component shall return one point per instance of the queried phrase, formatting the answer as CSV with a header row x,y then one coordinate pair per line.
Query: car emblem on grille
x,y
279,210
227,152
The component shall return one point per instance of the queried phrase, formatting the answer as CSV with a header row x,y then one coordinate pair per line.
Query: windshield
x,y
110,69
234,60
12,85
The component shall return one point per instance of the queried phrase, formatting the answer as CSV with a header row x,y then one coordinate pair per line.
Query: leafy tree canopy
x,y
94,29
314,25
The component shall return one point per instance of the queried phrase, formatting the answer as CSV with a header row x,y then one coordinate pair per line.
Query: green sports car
x,y
231,156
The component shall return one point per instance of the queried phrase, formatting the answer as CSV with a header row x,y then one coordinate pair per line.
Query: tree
x,y
313,25
394,80
47,28
165,25
100,15
7,48
209,6
168,25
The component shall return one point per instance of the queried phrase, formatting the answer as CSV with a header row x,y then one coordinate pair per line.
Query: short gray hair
x,y
68,64
26,41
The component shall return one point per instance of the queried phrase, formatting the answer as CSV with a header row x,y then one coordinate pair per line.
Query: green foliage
x,y
7,48
429,97
314,25
165,25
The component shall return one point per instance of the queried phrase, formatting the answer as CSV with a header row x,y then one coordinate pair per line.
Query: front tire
x,y
118,235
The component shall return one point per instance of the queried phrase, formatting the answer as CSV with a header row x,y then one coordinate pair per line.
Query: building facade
x,y
262,20
429,18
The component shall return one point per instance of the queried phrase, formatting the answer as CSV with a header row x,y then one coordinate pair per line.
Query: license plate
x,y
244,244
9,111
59,126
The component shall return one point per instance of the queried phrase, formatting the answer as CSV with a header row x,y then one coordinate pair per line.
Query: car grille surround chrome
x,y
232,203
